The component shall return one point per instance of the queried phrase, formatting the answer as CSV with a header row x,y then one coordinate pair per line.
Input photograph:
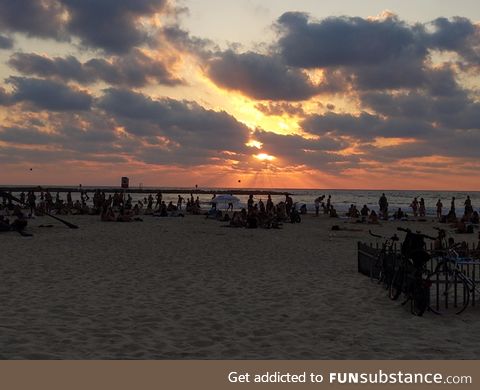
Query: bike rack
x,y
368,253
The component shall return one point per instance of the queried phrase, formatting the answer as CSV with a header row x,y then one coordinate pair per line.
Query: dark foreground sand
x,y
186,288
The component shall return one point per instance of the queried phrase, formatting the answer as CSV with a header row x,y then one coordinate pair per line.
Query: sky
x,y
265,94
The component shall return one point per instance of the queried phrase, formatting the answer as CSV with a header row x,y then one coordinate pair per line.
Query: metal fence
x,y
368,253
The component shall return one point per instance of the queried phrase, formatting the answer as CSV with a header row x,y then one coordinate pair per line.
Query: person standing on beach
x,y
439,209
179,202
288,204
31,198
214,202
468,206
414,206
317,207
159,197
383,204
269,205
329,203
250,202
422,210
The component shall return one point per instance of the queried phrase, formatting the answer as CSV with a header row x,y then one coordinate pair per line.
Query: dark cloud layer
x,y
260,77
33,17
135,69
49,95
345,41
111,25
183,122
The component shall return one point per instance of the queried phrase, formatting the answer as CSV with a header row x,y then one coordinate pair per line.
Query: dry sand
x,y
184,288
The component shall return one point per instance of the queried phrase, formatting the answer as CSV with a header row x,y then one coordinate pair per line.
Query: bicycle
x,y
380,272
452,283
410,277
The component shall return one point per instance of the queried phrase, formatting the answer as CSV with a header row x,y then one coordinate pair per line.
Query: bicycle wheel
x,y
376,269
397,284
449,292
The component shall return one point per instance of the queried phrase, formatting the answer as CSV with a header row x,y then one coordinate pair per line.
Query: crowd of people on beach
x,y
260,214
120,207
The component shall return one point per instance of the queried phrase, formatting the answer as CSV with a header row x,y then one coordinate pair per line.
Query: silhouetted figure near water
x,y
383,204
439,209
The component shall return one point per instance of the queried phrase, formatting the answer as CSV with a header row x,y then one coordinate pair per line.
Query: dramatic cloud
x,y
260,77
112,25
33,17
135,69
345,41
382,53
457,35
172,131
49,95
87,20
296,150
362,95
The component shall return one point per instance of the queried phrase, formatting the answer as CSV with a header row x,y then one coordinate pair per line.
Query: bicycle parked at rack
x,y
453,287
380,271
410,277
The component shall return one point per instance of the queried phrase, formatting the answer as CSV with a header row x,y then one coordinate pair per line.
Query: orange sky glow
x,y
169,107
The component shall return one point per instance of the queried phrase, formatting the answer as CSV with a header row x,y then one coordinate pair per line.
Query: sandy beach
x,y
188,288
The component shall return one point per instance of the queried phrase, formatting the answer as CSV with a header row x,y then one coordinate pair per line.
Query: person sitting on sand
x,y
398,215
108,215
303,209
18,225
475,218
163,209
124,216
333,212
373,218
237,220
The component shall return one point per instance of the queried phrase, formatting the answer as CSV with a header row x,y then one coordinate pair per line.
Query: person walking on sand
x,y
439,209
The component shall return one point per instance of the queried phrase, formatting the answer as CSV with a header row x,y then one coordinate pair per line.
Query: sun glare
x,y
264,157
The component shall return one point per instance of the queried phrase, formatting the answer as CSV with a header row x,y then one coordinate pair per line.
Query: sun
x,y
264,157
